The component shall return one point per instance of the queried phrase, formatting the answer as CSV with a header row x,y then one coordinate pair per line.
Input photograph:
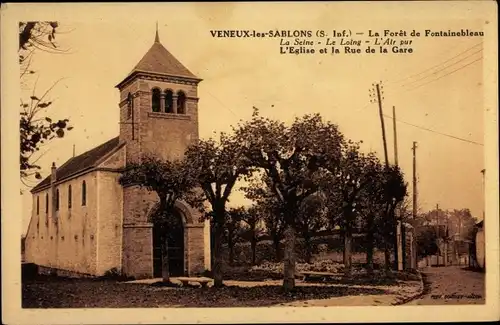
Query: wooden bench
x,y
308,275
202,281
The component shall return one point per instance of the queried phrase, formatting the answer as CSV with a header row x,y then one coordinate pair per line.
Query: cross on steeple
x,y
157,37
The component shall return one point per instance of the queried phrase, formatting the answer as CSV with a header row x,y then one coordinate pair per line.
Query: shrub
x,y
114,274
319,266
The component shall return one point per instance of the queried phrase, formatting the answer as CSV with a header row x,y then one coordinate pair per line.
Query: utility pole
x,y
437,232
381,114
414,148
400,235
413,257
483,172
379,99
395,135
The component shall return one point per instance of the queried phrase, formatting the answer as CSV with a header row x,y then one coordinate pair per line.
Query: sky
x,y
239,73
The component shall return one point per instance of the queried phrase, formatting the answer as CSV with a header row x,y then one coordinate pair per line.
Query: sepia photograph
x,y
228,155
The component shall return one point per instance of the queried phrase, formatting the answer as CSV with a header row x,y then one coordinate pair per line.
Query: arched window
x,y
37,205
84,193
57,200
69,197
181,103
169,101
47,203
156,100
130,105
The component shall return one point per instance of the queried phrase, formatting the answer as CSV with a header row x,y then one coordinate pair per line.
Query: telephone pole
x,y
379,99
483,172
395,135
414,148
400,235
437,232
381,114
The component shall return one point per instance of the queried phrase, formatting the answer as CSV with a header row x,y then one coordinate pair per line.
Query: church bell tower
x,y
158,116
158,106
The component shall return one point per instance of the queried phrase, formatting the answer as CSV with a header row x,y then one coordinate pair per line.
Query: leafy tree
x,y
252,219
217,166
291,158
233,229
371,209
394,192
171,181
426,241
269,208
38,35
36,130
344,188
311,219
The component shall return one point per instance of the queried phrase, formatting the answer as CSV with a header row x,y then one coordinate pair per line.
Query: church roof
x,y
158,60
80,163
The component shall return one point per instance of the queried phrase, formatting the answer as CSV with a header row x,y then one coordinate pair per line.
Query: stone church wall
x,y
109,238
110,205
66,240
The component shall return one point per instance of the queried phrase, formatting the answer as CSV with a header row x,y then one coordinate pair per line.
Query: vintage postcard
x,y
249,162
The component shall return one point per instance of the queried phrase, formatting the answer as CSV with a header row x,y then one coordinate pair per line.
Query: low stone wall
x,y
45,270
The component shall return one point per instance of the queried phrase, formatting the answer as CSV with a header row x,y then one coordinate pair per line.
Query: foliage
x,y
37,35
35,132
233,228
426,241
291,158
36,127
318,266
312,217
253,231
217,166
171,180
269,208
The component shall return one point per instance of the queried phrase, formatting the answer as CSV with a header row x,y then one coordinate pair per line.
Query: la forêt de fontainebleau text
x,y
347,41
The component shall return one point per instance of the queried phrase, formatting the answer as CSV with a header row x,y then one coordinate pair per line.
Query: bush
x,y
115,275
319,266
319,245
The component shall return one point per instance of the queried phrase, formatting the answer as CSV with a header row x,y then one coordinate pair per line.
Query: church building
x,y
85,223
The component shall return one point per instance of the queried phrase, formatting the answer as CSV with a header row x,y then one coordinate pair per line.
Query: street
x,y
452,285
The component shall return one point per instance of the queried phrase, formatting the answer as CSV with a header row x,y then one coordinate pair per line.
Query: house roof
x,y
158,60
80,163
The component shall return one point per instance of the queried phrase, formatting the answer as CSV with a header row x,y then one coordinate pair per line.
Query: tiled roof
x,y
79,163
159,60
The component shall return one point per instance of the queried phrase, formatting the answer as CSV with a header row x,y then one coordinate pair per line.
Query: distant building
x,y
480,245
85,222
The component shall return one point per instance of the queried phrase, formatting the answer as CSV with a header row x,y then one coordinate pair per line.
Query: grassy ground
x,y
46,292
246,288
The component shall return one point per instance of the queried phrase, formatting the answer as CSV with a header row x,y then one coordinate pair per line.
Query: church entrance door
x,y
175,240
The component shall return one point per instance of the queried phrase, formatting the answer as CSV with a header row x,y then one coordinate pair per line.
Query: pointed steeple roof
x,y
159,61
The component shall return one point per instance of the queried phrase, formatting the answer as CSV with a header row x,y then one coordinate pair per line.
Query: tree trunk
x,y
253,245
395,242
347,252
165,271
230,245
25,35
307,244
219,232
276,243
289,260
369,251
387,256
403,244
